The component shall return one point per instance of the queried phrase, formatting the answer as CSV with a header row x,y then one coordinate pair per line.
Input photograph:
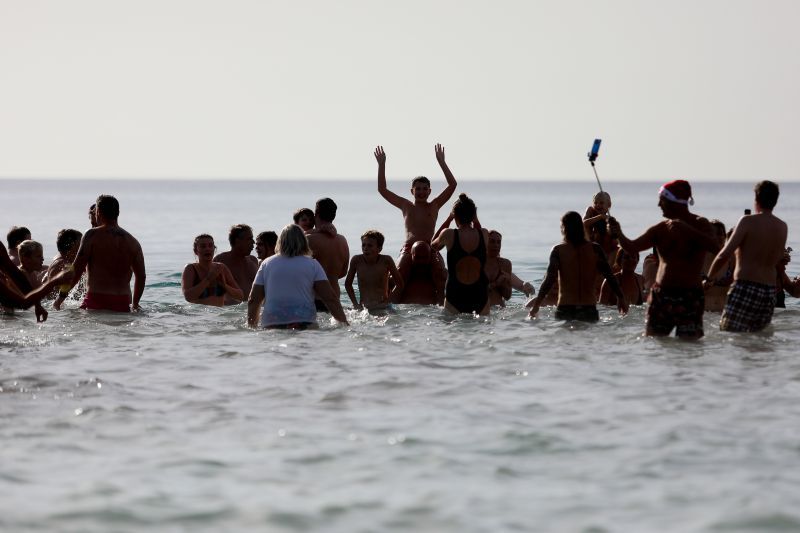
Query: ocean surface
x,y
182,419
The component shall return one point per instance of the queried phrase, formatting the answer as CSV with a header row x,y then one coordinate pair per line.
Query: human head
x,y
421,253
106,209
304,217
494,244
420,188
292,242
93,215
675,197
464,209
572,228
370,238
766,194
626,261
325,209
602,202
265,244
202,243
67,241
31,254
241,236
16,235
719,230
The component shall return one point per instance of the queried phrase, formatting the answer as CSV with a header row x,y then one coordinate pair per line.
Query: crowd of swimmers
x,y
694,265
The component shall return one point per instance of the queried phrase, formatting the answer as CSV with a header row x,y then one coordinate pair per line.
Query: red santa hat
x,y
678,191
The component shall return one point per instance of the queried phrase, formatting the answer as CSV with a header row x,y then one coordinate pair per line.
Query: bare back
x,y
681,250
332,253
112,255
760,240
578,268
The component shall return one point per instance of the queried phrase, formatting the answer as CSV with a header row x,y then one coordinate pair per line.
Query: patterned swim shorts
x,y
749,307
679,308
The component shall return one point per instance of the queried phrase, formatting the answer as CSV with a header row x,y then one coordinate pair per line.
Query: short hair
x,y
602,195
16,235
28,247
572,228
66,238
717,225
269,238
622,254
303,211
236,231
197,240
464,209
374,234
325,209
292,242
108,206
420,179
767,194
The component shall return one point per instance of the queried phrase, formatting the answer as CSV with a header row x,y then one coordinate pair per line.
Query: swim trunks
x,y
294,325
749,307
584,313
107,302
679,308
465,296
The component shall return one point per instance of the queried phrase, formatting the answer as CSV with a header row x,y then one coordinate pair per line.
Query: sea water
x,y
180,418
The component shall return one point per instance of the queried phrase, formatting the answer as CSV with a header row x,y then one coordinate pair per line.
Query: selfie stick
x,y
592,158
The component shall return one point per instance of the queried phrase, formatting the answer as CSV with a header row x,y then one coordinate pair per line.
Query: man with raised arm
x,y
676,299
758,242
419,216
112,256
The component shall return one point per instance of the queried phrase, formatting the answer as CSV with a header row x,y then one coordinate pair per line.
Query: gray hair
x,y
292,242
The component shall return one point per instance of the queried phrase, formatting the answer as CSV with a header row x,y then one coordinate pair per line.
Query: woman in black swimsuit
x,y
206,282
467,289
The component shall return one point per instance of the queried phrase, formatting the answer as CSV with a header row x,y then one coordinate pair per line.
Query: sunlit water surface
x,y
182,419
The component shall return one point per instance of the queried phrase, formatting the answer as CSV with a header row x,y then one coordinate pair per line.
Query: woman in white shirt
x,y
287,284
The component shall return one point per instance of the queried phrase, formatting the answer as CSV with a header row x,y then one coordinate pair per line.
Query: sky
x,y
702,90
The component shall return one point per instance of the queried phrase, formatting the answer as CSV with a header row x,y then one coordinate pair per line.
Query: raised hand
x,y
439,149
380,155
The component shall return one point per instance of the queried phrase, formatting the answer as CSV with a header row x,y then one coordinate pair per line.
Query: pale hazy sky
x,y
264,89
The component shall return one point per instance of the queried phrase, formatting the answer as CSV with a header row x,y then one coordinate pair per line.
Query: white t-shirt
x,y
289,288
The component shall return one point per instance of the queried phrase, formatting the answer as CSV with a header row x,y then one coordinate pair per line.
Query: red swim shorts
x,y
120,303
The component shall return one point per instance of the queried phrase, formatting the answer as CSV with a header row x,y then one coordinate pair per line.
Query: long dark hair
x,y
572,228
464,209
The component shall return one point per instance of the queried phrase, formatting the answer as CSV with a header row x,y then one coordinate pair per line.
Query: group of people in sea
x,y
695,265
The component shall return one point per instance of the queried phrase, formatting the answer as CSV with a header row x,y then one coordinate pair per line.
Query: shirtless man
x,y
242,265
498,272
419,216
758,242
112,256
676,299
576,263
331,250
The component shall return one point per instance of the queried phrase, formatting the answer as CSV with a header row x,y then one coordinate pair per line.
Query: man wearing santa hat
x,y
676,299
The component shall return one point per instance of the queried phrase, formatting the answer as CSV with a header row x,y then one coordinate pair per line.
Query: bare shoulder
x,y
505,264
221,257
386,260
253,260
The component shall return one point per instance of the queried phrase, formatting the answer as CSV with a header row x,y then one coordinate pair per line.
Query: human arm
x,y
643,242
549,279
232,288
445,225
324,292
523,286
396,277
384,191
348,282
10,295
254,301
139,276
726,253
445,239
345,251
442,199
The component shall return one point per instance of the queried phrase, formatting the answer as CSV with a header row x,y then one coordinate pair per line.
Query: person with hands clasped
x,y
206,282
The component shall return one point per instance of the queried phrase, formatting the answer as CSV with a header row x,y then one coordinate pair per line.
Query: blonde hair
x,y
292,242
601,196
28,248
